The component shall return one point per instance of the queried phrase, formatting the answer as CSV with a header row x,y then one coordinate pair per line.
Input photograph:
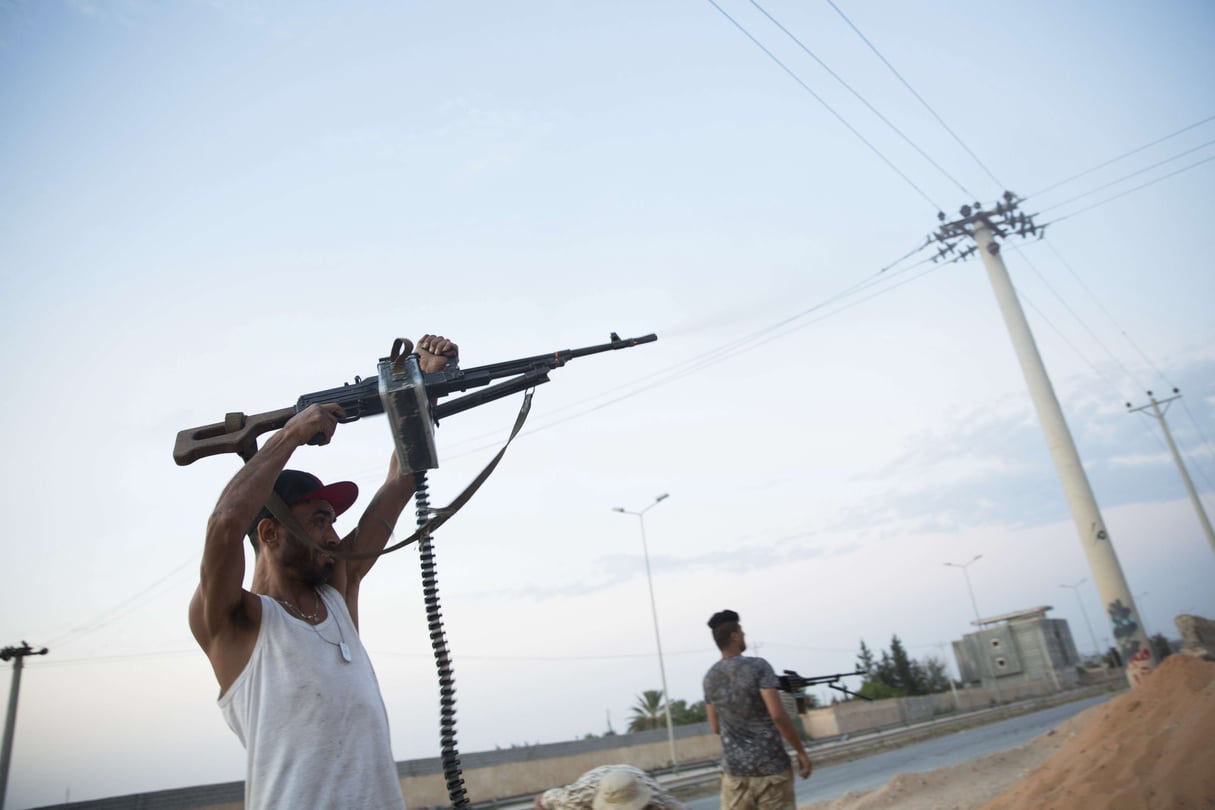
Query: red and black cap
x,y
294,486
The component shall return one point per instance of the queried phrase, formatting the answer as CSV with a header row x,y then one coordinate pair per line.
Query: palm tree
x,y
648,713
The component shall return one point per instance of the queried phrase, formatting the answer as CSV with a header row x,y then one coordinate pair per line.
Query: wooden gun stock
x,y
236,434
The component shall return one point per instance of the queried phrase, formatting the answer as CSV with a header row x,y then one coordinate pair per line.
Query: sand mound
x,y
958,787
1153,747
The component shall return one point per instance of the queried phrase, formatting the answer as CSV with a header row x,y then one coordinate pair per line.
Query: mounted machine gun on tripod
x,y
796,684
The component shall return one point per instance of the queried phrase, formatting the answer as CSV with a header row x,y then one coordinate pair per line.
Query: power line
x,y
1079,320
1100,305
749,342
116,612
117,659
820,100
1059,332
1120,157
1130,191
1128,176
919,98
1143,355
525,658
861,98
710,356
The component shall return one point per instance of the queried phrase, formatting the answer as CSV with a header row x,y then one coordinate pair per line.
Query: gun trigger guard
x,y
401,348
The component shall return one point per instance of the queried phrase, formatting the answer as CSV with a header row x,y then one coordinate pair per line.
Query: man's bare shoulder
x,y
228,643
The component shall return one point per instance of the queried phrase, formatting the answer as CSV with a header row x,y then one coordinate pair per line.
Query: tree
x,y
905,673
878,690
1161,647
895,674
936,675
865,658
649,711
684,715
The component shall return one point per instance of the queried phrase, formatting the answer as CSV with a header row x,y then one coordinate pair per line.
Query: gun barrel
x,y
558,358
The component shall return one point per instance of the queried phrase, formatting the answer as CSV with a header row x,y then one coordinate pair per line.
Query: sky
x,y
216,206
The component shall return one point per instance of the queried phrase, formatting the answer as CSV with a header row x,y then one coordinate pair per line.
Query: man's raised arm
x,y
219,606
379,519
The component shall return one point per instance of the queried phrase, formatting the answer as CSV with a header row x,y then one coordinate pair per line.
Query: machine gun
x,y
793,683
409,397
401,389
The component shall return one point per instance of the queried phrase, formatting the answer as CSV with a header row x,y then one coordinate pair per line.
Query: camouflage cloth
x,y
581,794
750,743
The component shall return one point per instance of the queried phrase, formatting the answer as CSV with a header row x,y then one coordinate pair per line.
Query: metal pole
x,y
657,636
1103,561
970,590
1185,475
973,603
979,624
10,723
1092,636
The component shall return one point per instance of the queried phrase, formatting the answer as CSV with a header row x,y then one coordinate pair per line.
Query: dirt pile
x,y
1152,747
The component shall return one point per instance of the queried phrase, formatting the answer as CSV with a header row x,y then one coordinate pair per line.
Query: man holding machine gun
x,y
295,683
744,707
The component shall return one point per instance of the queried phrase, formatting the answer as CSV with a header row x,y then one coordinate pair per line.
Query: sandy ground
x,y
1152,747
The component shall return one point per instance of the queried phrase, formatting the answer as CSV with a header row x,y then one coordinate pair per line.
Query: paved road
x,y
833,781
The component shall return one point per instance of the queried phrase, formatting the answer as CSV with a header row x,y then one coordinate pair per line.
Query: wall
x,y
512,772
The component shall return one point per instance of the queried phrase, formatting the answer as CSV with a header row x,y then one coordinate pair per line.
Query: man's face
x,y
312,566
742,639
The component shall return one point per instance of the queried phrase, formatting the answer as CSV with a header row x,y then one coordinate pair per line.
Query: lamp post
x,y
654,611
1091,635
978,619
973,603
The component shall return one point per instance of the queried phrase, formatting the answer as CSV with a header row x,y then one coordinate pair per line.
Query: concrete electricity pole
x,y
1185,475
18,655
982,228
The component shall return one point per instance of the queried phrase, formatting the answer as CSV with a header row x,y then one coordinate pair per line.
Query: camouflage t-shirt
x,y
751,745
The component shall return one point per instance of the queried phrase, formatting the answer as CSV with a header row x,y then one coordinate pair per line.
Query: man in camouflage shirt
x,y
744,707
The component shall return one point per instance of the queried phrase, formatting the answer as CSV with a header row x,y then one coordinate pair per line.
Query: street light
x,y
978,620
654,610
1092,636
973,603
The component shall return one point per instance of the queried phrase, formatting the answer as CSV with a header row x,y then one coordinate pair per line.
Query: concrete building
x,y
1016,648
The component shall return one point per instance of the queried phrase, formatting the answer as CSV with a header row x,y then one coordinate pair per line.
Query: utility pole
x,y
18,655
1092,636
1185,475
982,228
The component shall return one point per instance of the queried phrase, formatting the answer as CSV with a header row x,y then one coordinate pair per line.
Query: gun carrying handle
x,y
236,434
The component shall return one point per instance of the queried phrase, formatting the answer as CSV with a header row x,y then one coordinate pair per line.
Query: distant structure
x,y
1016,648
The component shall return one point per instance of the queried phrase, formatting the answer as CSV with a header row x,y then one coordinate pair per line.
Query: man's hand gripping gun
x,y
792,682
401,390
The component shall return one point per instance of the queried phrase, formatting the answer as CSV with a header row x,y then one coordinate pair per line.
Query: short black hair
x,y
723,623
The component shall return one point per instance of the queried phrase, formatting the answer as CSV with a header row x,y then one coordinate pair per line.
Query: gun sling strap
x,y
282,512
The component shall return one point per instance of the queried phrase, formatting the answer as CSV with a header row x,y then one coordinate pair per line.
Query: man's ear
x,y
269,532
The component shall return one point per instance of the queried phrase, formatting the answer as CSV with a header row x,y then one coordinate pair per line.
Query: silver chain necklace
x,y
309,618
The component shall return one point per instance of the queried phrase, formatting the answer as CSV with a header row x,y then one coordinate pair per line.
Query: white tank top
x,y
314,727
